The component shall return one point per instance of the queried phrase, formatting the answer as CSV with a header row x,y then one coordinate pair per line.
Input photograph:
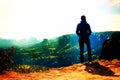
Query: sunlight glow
x,y
51,18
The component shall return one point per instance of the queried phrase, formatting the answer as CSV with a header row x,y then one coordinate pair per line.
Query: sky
x,y
52,18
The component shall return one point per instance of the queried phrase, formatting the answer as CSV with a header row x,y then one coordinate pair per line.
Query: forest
x,y
49,53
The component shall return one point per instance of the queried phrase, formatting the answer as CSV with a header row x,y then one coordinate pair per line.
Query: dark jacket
x,y
83,29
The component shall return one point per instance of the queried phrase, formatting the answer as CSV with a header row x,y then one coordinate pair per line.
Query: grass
x,y
28,68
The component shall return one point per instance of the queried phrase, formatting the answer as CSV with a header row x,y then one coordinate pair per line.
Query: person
x,y
84,31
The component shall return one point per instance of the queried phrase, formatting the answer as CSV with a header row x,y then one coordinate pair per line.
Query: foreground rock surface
x,y
101,70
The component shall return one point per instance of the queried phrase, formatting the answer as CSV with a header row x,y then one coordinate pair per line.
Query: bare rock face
x,y
111,48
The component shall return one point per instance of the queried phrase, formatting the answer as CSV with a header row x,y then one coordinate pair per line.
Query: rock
x,y
111,48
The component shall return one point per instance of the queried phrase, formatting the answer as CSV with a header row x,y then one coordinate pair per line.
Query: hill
x,y
58,52
7,43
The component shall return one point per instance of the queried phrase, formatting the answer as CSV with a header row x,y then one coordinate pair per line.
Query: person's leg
x,y
89,49
81,44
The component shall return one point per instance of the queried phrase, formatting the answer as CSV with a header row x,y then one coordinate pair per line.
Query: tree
x,y
6,58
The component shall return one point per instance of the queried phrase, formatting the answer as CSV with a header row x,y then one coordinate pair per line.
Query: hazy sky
x,y
51,18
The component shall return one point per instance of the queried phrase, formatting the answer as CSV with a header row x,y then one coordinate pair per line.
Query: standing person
x,y
84,31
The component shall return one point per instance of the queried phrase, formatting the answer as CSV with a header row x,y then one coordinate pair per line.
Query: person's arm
x,y
89,29
78,30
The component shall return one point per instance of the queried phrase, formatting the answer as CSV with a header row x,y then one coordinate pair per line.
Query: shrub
x,y
27,68
6,58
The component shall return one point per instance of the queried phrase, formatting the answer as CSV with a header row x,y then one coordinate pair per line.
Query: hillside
x,y
103,70
58,52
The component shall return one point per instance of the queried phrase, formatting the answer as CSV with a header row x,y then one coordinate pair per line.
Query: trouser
x,y
83,41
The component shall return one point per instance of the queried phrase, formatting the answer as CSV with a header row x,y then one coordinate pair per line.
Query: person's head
x,y
83,18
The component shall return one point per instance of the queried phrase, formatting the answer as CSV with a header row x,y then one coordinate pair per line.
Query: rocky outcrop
x,y
111,48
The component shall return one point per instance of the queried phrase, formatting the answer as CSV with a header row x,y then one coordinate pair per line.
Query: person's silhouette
x,y
84,31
